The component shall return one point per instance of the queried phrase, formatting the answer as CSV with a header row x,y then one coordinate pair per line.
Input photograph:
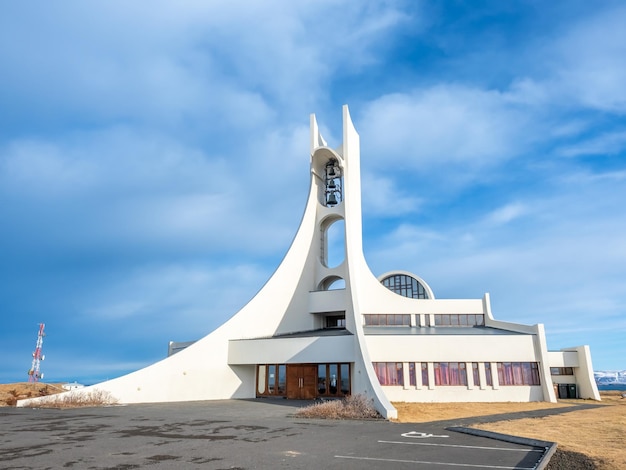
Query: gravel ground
x,y
566,460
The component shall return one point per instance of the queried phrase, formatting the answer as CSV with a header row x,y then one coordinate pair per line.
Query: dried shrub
x,y
351,407
75,400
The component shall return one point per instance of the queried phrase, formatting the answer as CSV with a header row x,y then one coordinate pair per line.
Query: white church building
x,y
321,330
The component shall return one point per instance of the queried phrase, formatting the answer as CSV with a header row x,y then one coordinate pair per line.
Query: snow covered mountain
x,y
608,377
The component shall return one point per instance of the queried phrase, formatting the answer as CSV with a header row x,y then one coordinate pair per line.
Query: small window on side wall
x,y
561,371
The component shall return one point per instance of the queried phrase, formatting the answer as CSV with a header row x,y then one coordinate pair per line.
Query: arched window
x,y
332,283
333,242
405,285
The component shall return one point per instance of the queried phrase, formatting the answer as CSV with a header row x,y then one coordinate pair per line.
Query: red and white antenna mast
x,y
34,374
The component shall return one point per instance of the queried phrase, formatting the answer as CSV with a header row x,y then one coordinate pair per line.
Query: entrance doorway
x,y
301,381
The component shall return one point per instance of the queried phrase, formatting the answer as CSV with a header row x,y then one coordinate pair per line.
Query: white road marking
x,y
508,449
432,463
421,435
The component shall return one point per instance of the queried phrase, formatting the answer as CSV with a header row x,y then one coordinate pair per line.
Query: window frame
x,y
518,373
389,373
424,368
476,374
561,371
450,374
387,319
488,374
460,320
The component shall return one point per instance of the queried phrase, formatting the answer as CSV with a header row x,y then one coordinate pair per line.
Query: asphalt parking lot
x,y
238,434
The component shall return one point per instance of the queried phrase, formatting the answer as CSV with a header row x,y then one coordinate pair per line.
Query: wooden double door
x,y
302,381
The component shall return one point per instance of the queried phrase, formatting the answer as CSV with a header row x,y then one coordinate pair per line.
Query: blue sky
x,y
154,163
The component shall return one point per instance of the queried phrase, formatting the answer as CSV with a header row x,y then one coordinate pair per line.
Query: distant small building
x,y
175,347
72,386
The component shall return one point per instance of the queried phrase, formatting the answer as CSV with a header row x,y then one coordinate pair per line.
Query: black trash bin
x,y
568,391
572,392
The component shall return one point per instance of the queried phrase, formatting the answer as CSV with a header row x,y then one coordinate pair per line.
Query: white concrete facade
x,y
297,323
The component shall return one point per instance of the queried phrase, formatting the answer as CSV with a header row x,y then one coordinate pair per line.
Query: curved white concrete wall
x,y
201,371
363,377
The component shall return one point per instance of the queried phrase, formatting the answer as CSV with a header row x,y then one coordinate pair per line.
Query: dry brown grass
x,y
598,433
426,412
10,393
351,407
75,399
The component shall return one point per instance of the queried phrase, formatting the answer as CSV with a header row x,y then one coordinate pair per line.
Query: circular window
x,y
405,285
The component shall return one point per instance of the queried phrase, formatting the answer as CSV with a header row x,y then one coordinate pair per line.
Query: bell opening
x,y
332,182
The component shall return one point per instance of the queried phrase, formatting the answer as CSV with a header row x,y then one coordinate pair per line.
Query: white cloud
x,y
507,213
89,368
119,310
528,91
383,197
442,125
121,186
177,66
103,162
610,143
41,167
198,296
577,64
589,65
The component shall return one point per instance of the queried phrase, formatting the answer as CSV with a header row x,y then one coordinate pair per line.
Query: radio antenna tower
x,y
34,374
